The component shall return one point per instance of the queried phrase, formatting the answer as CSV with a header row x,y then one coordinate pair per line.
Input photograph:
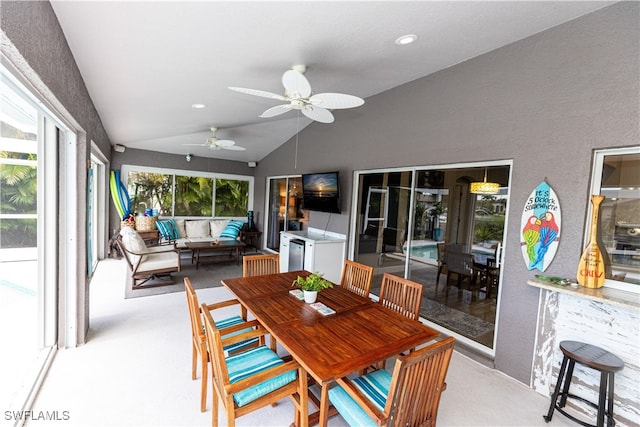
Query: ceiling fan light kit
x,y
298,96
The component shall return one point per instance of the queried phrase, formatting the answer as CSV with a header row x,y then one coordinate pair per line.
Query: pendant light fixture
x,y
484,187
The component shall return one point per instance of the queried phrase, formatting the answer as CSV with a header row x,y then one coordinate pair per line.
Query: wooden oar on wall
x,y
592,265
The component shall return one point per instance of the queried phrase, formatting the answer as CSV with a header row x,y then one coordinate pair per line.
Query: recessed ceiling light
x,y
198,106
409,38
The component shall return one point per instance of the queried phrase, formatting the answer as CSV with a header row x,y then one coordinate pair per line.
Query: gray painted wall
x,y
545,102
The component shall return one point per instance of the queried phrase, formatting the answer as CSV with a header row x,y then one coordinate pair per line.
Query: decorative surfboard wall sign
x,y
540,226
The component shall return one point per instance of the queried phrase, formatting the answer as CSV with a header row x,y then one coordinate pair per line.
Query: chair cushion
x,y
159,261
232,230
252,362
197,228
234,348
168,229
132,240
375,386
217,227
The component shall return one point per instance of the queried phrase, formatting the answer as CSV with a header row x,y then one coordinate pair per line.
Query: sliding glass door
x,y
284,208
407,219
28,246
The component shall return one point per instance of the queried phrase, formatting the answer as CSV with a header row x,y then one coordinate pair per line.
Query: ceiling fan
x,y
297,94
219,144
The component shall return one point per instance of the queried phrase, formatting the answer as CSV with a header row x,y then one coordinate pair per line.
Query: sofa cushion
x,y
217,226
168,229
232,230
197,228
181,229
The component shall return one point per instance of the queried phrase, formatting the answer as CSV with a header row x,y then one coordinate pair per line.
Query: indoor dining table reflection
x,y
359,333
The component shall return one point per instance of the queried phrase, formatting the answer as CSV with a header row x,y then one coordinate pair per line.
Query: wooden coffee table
x,y
223,245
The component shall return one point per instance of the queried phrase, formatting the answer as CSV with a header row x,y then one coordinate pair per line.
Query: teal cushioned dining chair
x,y
252,379
199,339
410,396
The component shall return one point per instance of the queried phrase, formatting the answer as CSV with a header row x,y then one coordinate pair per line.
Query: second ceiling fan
x,y
297,94
219,144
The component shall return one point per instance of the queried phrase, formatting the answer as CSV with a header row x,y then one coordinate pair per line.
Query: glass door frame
x,y
286,209
355,204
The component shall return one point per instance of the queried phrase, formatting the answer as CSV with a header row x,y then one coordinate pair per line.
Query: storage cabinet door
x,y
309,260
284,252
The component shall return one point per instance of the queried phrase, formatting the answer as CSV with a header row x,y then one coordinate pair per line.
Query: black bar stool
x,y
596,358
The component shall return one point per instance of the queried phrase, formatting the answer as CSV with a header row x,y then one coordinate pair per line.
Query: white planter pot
x,y
310,296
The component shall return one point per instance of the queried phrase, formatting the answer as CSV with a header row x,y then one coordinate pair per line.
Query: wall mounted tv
x,y
321,192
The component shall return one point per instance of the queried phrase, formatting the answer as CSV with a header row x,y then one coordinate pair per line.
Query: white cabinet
x,y
284,251
323,252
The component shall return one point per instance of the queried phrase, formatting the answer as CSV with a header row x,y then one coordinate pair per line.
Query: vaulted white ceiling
x,y
145,63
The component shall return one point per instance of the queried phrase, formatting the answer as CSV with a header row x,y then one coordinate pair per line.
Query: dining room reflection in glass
x,y
427,225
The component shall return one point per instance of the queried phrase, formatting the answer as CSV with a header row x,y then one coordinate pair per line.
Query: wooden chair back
x,y
224,390
194,312
198,341
460,263
256,265
417,382
401,295
356,277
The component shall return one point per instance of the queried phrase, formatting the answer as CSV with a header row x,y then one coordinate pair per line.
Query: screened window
x,y
150,190
178,193
232,197
617,178
194,196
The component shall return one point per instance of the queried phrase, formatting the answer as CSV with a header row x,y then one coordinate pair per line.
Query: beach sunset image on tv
x,y
321,191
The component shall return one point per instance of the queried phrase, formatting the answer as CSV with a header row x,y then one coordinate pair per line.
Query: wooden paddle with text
x,y
591,268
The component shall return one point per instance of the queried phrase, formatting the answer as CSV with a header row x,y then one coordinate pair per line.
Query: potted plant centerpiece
x,y
311,285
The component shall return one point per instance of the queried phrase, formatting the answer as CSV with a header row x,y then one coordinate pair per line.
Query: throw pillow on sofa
x,y
232,230
198,228
181,228
168,229
217,227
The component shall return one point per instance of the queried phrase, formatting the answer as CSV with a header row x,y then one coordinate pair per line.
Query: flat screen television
x,y
321,192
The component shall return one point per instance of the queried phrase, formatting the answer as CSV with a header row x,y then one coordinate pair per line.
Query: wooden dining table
x,y
359,333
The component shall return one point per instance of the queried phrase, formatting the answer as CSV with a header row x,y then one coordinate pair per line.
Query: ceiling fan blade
x,y
318,114
257,92
276,111
295,83
225,143
199,145
336,100
234,148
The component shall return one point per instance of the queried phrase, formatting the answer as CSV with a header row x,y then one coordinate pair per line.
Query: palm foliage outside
x,y
150,190
18,191
194,196
18,196
232,197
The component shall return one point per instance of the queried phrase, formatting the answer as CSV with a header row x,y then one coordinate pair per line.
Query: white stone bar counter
x,y
605,317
